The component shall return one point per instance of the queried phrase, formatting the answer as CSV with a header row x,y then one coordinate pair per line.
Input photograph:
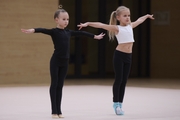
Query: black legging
x,y
58,71
122,65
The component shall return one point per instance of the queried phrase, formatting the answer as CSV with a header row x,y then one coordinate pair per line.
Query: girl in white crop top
x,y
122,54
125,35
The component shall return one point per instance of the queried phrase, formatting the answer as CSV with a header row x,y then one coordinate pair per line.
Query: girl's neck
x,y
60,27
123,24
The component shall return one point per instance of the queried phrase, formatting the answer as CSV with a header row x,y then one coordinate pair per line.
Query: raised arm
x,y
99,25
141,20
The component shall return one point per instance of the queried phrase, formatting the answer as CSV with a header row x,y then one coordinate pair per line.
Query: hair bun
x,y
60,7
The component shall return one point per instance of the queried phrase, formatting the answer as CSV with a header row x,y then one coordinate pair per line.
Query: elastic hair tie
x,y
60,6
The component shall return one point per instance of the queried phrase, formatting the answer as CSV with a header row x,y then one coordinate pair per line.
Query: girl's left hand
x,y
100,36
151,17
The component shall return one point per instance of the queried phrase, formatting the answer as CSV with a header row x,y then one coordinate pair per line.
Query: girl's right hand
x,y
27,30
81,25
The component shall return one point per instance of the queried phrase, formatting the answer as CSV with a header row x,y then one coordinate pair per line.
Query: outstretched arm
x,y
84,33
37,30
28,30
141,20
99,25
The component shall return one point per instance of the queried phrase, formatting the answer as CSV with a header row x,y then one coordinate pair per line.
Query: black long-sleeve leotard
x,y
59,61
61,39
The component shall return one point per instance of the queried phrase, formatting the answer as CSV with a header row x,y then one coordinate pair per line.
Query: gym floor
x,y
91,99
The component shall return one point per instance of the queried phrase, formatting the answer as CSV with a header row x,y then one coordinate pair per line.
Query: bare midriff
x,y
125,47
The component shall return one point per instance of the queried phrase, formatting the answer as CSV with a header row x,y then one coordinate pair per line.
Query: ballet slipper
x,y
61,116
55,116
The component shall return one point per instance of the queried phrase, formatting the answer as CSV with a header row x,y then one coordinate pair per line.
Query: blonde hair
x,y
113,19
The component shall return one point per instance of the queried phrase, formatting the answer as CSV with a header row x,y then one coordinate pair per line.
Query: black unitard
x,y
59,62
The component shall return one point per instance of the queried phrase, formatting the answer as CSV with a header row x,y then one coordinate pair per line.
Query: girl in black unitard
x,y
59,60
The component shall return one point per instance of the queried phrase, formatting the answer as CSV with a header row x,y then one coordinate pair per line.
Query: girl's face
x,y
124,17
62,20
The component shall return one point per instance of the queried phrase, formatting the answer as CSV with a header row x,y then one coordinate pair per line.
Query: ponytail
x,y
113,21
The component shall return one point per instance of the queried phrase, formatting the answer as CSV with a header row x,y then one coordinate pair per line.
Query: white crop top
x,y
125,34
